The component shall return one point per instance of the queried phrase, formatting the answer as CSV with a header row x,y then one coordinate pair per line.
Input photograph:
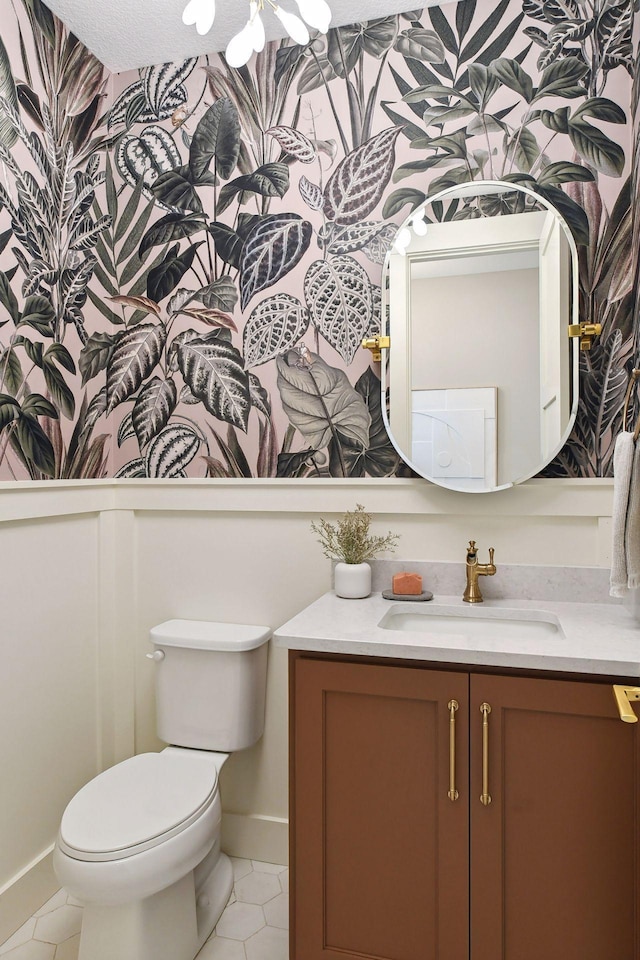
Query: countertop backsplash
x,y
513,581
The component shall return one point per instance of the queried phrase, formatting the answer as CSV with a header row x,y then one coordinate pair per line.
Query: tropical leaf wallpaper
x,y
190,255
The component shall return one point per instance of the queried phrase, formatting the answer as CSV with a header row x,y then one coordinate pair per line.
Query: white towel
x,y
623,457
632,532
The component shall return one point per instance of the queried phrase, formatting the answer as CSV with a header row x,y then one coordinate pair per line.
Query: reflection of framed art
x,y
454,435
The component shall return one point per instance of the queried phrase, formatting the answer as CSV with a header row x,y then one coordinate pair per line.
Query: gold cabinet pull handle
x,y
453,705
623,695
485,796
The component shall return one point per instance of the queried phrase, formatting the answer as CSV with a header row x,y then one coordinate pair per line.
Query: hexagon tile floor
x,y
254,925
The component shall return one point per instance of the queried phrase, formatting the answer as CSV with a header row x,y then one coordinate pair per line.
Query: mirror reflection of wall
x,y
477,326
482,374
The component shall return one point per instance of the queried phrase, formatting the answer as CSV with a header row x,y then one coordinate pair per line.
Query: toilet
x,y
139,845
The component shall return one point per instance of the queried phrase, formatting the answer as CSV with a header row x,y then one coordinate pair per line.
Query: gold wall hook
x,y
376,344
624,695
587,332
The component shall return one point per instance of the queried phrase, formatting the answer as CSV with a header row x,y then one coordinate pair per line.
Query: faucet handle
x,y
491,553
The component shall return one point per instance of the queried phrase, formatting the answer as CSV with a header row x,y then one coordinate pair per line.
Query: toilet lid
x,y
138,803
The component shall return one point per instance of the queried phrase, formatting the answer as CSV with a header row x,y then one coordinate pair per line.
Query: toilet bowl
x,y
140,826
139,845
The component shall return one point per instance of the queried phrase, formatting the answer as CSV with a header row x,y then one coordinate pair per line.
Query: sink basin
x,y
473,623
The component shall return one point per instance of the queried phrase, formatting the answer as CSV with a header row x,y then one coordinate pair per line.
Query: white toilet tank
x,y
210,683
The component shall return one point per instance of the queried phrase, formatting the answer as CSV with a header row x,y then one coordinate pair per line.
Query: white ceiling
x,y
125,34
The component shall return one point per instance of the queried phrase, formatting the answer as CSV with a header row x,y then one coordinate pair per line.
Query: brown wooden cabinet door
x,y
379,851
554,857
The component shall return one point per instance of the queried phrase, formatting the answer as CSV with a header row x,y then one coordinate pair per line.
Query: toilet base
x,y
173,924
212,895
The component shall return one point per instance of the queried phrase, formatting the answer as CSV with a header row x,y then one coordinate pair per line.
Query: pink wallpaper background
x,y
185,287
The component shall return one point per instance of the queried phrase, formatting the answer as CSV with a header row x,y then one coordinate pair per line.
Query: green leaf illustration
x,y
9,409
135,354
400,198
217,135
320,402
33,446
172,450
162,82
564,172
38,313
95,355
220,295
228,243
357,184
510,73
8,298
174,188
214,370
11,375
175,226
155,404
58,388
272,249
164,278
596,148
8,134
423,45
562,79
269,180
378,458
338,294
275,326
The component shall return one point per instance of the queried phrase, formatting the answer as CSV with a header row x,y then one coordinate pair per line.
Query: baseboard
x,y
255,837
26,892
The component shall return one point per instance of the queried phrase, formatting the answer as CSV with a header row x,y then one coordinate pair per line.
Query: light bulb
x,y
317,13
200,12
257,28
251,38
239,48
419,226
293,25
402,241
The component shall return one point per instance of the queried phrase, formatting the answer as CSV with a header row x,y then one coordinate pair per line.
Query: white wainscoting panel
x,y
48,692
89,567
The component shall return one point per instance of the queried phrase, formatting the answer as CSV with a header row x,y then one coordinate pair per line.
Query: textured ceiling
x,y
125,34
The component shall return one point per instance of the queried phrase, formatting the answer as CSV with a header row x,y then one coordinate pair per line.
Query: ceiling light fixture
x,y
200,12
251,39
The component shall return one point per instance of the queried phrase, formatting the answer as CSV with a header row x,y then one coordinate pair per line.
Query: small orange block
x,y
409,584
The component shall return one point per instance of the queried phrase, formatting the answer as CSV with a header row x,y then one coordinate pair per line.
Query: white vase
x,y
352,580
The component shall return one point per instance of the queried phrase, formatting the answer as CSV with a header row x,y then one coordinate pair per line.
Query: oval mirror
x,y
482,377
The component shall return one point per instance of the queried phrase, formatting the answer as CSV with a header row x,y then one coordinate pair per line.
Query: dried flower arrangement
x,y
348,540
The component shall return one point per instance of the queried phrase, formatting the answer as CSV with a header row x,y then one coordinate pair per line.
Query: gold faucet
x,y
472,594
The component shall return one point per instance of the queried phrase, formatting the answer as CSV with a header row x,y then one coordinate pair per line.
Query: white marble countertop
x,y
593,638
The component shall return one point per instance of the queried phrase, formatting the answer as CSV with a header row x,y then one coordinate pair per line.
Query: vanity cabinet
x,y
386,865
